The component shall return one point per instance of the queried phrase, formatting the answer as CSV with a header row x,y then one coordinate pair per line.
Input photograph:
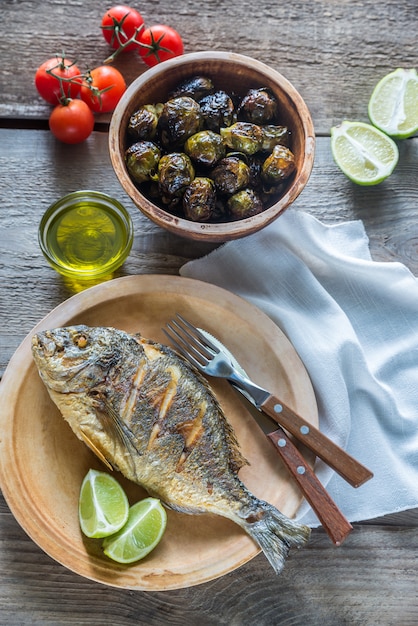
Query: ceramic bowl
x,y
235,74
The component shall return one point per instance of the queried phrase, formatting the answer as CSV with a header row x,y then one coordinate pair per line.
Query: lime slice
x,y
142,532
103,505
393,106
365,154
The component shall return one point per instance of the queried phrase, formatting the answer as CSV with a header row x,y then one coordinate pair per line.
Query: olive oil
x,y
86,236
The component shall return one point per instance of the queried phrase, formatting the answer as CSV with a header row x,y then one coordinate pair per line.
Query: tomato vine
x,y
59,80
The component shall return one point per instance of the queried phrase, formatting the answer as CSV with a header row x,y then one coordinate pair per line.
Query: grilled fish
x,y
146,412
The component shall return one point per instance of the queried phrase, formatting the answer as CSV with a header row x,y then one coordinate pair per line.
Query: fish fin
x,y
123,432
276,534
95,449
117,428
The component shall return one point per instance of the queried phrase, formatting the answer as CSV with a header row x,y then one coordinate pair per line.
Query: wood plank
x,y
387,211
333,51
370,580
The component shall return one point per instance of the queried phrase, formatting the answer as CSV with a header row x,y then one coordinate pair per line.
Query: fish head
x,y
74,358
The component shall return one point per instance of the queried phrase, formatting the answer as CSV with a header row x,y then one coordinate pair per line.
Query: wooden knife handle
x,y
345,465
333,521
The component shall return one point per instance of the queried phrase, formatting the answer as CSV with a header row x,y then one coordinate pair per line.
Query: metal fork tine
x,y
195,333
190,341
185,352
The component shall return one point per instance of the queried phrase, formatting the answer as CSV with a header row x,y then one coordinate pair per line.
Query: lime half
x,y
393,106
142,532
103,505
365,154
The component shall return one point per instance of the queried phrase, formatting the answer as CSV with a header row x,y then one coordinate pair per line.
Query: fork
x,y
207,357
215,360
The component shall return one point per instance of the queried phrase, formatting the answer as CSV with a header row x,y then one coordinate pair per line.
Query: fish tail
x,y
276,534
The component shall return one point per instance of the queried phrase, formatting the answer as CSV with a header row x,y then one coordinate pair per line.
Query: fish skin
x,y
145,411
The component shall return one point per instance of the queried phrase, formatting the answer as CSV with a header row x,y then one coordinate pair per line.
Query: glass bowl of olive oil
x,y
86,235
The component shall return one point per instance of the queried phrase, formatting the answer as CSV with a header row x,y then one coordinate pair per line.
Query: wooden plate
x,y
42,463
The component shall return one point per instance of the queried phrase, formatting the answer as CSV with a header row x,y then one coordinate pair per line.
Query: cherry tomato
x,y
159,43
49,87
103,89
119,25
71,122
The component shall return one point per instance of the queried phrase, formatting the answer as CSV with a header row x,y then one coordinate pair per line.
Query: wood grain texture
x,y
319,586
333,51
369,581
388,212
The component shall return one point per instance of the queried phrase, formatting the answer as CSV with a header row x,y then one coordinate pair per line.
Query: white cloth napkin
x,y
354,324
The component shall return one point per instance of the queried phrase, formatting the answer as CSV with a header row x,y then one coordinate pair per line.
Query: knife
x,y
338,459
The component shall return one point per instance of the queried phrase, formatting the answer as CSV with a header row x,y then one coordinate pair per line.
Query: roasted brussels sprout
x,y
205,148
179,120
143,123
210,155
217,110
175,173
199,199
274,135
259,106
244,203
278,165
142,160
230,175
254,162
243,136
196,88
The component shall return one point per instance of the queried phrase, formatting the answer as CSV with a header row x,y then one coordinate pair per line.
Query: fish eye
x,y
80,341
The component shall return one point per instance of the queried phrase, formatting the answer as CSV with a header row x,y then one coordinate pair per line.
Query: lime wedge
x,y
393,106
142,532
365,154
103,505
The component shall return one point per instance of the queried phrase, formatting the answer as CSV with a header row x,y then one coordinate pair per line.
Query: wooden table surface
x,y
333,51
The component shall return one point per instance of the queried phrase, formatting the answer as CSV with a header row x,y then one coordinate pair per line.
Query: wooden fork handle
x,y
333,521
345,465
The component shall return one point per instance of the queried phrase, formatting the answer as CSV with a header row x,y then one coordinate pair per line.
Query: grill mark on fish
x,y
146,412
156,429
170,392
128,406
191,431
162,401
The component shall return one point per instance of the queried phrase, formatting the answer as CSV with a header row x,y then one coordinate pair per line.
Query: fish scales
x,y
145,411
